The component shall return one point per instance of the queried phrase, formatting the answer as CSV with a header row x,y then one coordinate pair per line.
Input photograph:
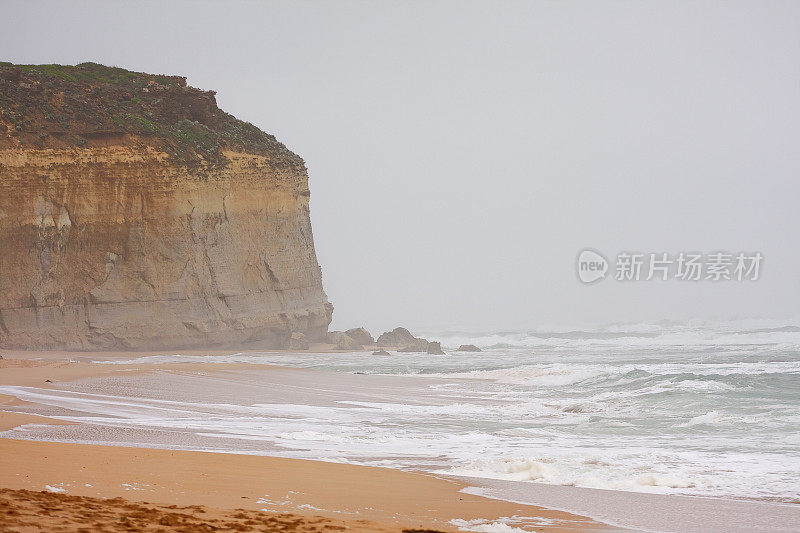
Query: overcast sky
x,y
461,154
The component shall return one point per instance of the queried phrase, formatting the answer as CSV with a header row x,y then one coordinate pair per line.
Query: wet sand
x,y
388,499
230,481
24,510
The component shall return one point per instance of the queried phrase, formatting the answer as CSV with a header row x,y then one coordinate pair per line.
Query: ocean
x,y
702,410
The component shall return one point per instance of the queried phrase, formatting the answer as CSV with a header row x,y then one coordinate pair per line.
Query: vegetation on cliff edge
x,y
61,106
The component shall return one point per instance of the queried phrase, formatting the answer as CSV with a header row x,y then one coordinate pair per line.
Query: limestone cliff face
x,y
116,238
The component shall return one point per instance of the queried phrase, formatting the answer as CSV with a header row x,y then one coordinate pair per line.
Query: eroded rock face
x,y
342,341
297,341
124,243
117,248
403,341
417,345
435,348
468,348
361,336
397,337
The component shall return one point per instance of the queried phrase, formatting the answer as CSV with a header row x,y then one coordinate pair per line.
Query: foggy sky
x,y
461,154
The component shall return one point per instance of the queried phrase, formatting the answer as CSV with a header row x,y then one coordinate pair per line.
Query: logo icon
x,y
592,266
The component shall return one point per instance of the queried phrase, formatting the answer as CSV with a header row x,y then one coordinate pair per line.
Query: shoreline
x,y
583,509
258,483
319,347
388,498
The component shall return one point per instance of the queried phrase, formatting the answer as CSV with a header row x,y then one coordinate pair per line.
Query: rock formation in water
x,y
135,214
417,345
468,348
342,341
361,336
398,337
354,339
403,341
435,348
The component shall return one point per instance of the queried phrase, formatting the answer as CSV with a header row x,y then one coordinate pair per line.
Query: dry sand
x,y
356,497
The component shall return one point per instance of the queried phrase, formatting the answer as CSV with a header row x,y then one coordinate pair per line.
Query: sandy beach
x,y
235,440
317,495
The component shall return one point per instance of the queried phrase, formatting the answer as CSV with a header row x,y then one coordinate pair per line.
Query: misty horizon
x,y
460,156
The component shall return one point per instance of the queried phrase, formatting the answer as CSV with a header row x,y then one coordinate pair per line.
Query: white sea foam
x,y
587,472
483,526
710,417
637,336
503,524
622,407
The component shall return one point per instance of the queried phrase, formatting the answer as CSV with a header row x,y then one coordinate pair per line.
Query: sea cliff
x,y
135,214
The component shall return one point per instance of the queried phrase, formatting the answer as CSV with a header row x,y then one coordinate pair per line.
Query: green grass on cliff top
x,y
71,103
90,73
